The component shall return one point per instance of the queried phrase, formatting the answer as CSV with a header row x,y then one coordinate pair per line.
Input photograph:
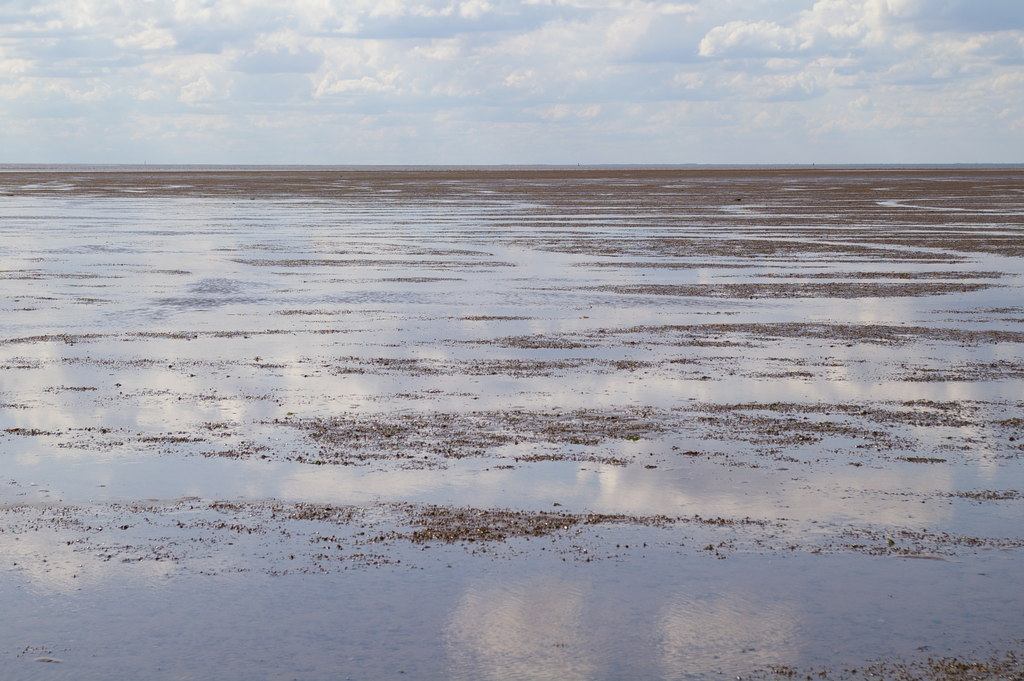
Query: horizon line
x,y
495,166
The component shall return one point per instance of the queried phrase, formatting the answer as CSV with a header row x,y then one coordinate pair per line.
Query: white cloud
x,y
14,67
147,39
442,49
478,80
199,90
559,112
749,39
829,25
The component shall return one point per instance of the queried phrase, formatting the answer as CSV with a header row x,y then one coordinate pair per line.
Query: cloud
x,y
500,80
741,38
148,38
831,25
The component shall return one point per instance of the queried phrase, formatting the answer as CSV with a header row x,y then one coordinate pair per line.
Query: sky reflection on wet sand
x,y
231,396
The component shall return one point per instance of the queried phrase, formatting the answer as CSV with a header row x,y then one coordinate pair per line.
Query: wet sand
x,y
508,423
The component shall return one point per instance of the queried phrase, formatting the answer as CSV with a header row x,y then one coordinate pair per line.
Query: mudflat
x,y
509,423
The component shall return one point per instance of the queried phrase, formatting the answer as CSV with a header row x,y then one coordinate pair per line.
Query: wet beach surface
x,y
512,424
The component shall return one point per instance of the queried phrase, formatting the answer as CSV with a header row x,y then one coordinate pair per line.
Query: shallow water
x,y
658,618
818,386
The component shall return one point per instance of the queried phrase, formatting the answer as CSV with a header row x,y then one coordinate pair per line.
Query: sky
x,y
520,82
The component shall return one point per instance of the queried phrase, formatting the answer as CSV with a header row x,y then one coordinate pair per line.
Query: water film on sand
x,y
511,423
